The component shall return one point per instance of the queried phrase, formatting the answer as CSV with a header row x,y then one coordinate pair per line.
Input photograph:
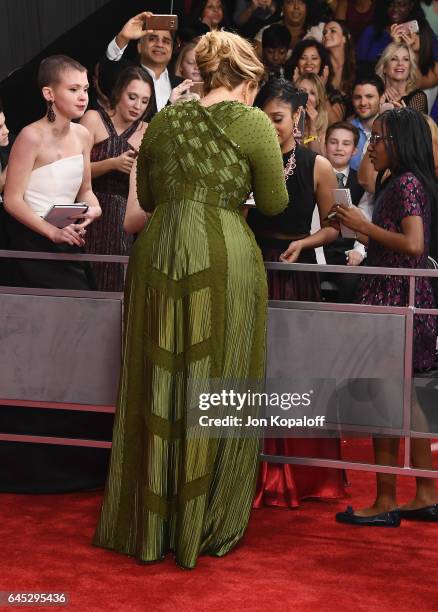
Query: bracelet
x,y
310,139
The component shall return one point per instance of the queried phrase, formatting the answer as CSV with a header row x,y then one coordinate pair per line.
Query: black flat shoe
x,y
384,519
429,513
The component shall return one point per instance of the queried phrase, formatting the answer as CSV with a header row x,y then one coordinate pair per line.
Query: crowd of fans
x,y
353,58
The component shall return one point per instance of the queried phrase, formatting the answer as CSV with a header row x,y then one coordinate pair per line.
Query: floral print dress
x,y
403,196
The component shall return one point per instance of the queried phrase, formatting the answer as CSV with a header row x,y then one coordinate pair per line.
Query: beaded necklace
x,y
291,164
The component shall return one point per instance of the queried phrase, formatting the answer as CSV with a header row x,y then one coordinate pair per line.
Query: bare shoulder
x,y
323,165
83,133
79,130
90,119
31,136
323,173
141,129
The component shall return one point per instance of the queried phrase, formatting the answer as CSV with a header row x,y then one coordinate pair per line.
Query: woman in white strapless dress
x,y
50,164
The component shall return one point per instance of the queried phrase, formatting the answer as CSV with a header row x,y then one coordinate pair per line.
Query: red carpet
x,y
298,560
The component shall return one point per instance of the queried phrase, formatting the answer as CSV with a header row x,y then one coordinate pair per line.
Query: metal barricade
x,y
61,349
406,314
90,324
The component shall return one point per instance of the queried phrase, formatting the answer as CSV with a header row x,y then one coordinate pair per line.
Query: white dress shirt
x,y
162,85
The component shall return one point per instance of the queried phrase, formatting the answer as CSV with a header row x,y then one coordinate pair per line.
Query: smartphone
x,y
301,126
342,197
161,22
197,87
410,26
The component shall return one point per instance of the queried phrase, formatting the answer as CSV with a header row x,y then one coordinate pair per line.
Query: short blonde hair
x,y
388,52
321,122
226,60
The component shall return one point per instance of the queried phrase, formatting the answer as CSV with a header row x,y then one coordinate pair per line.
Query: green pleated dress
x,y
195,308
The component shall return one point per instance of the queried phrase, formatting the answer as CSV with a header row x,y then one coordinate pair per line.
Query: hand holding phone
x,y
161,22
197,87
410,27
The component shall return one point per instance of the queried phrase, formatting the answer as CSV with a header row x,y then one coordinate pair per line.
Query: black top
x,y
417,100
296,219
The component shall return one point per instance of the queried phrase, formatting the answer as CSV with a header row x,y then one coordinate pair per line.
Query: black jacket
x,y
335,251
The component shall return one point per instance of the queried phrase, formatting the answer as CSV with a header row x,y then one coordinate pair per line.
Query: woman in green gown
x,y
195,309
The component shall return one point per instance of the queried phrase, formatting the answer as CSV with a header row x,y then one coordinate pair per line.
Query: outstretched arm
x,y
324,181
266,164
132,30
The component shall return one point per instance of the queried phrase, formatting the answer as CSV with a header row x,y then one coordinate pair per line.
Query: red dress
x,y
283,484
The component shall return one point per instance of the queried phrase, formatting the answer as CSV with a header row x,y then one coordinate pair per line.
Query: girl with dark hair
x,y
399,236
336,38
116,135
311,57
286,237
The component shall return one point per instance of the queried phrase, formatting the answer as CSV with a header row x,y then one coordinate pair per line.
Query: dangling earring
x,y
50,112
296,133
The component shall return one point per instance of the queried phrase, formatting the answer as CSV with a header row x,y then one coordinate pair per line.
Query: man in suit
x,y
341,143
154,48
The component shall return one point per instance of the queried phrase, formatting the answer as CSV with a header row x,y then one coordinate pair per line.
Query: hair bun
x,y
226,59
212,50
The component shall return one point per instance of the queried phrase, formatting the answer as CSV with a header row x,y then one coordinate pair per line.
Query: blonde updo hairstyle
x,y
226,60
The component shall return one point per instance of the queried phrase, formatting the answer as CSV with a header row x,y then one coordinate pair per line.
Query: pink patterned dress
x,y
404,196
